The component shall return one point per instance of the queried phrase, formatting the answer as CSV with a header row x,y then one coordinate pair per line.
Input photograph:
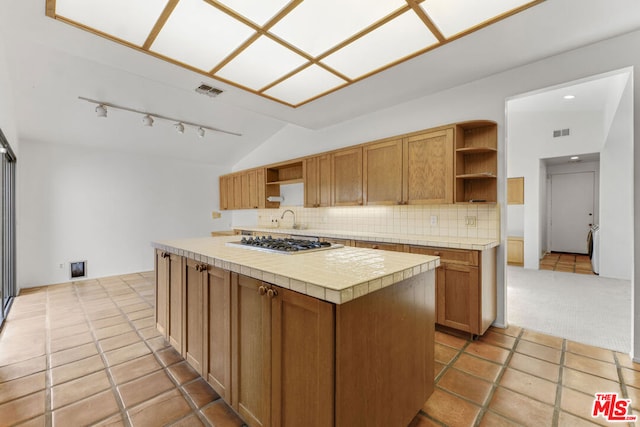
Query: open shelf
x,y
288,181
476,162
484,175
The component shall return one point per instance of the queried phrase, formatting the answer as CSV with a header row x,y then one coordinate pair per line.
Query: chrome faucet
x,y
295,226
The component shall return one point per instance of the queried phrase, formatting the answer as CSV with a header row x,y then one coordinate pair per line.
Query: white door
x,y
572,208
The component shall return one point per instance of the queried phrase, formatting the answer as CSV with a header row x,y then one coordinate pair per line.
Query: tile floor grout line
x,y
113,387
494,385
557,407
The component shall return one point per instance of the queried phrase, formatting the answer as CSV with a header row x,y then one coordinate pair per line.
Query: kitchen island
x,y
338,337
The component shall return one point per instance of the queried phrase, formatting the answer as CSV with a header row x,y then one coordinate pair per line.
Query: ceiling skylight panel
x,y
455,16
258,11
263,62
316,26
199,35
395,40
127,20
308,83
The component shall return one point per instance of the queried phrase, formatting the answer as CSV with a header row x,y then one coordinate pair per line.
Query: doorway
x,y
7,227
572,206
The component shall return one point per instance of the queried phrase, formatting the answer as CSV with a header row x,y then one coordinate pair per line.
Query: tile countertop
x,y
478,244
334,275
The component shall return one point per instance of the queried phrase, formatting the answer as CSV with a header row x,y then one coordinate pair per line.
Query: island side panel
x,y
384,354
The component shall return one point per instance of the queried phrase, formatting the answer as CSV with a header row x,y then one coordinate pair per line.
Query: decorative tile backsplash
x,y
482,221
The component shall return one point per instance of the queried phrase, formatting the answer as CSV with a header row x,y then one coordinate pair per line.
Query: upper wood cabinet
x,y
346,177
317,181
476,162
382,170
243,190
515,191
428,167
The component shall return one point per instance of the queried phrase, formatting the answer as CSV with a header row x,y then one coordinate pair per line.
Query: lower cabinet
x,y
162,265
396,247
465,288
176,332
196,278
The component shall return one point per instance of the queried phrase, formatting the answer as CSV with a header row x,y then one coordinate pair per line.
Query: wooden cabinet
x,y
344,242
476,162
515,191
195,277
397,247
317,181
282,349
428,167
176,303
382,170
346,177
162,265
515,251
218,338
465,288
243,190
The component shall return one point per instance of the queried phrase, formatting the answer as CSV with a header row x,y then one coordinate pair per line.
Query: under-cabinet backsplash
x,y
481,221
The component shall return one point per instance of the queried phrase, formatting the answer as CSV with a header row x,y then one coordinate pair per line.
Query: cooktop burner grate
x,y
284,245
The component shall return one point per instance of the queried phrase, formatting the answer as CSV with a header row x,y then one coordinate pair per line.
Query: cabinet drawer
x,y
380,245
451,256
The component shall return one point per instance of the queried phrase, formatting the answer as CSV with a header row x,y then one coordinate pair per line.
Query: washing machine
x,y
594,248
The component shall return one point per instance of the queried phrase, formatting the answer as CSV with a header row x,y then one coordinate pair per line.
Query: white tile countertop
x,y
334,275
478,244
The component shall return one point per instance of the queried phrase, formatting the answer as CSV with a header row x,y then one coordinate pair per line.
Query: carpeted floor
x,y
588,309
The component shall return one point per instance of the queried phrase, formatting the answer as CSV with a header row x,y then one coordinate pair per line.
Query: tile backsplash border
x,y
464,220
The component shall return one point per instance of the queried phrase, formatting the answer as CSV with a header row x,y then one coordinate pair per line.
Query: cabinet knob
x,y
272,293
202,267
262,290
165,255
436,253
375,247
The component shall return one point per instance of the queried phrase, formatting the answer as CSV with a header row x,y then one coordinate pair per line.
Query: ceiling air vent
x,y
205,89
561,132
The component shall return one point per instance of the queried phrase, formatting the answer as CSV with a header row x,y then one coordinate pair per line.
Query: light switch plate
x,y
434,219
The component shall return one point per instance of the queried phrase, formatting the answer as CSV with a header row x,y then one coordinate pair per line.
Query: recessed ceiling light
x,y
574,157
569,96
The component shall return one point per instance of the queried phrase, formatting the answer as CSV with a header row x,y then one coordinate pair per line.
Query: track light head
x,y
179,127
101,111
147,120
201,132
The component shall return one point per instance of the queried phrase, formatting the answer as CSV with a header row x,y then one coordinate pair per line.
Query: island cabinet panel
x,y
383,173
195,277
219,334
428,167
302,334
251,351
162,265
375,332
317,181
346,177
176,303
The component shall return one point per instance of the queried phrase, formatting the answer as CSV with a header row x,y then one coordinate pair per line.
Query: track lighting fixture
x,y
101,111
148,118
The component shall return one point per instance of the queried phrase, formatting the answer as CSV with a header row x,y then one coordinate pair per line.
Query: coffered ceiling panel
x,y
289,51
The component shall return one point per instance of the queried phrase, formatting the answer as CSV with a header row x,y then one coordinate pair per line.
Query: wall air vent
x,y
561,132
205,89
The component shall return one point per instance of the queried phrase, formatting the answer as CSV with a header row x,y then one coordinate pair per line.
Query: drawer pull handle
x,y
375,247
436,253
165,254
272,293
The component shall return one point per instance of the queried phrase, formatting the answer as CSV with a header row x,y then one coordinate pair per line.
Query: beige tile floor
x,y
569,263
87,353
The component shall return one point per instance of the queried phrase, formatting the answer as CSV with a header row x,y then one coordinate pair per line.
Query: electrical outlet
x,y
471,221
61,265
215,215
434,219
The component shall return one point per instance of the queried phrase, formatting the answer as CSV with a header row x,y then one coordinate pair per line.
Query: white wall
x,y
7,118
81,203
616,193
482,99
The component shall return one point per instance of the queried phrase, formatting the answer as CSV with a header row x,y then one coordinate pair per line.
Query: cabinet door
x,y
162,265
250,351
196,303
237,191
379,245
428,168
302,357
317,181
261,189
219,336
251,189
457,297
224,195
382,169
346,173
176,300
245,190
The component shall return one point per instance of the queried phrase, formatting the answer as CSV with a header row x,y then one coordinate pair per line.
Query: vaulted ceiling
x,y
52,64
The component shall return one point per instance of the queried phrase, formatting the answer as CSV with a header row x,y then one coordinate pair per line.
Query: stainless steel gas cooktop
x,y
284,246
